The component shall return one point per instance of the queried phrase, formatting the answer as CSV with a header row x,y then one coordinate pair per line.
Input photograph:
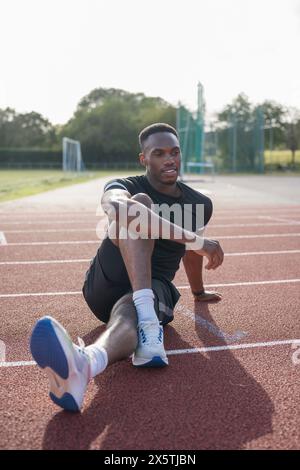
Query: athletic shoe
x,y
66,364
150,351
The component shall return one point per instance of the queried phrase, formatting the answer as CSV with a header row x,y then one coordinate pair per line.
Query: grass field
x,y
15,184
282,157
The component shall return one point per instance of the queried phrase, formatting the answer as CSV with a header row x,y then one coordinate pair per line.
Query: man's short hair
x,y
153,129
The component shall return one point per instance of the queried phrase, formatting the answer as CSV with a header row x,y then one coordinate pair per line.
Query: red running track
x,y
245,398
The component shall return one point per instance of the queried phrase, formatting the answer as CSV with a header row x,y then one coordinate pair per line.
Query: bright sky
x,y
53,52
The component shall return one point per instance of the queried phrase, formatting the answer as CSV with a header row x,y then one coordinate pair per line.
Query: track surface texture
x,y
233,380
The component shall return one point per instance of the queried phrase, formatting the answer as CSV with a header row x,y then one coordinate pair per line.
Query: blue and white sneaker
x,y
150,351
66,364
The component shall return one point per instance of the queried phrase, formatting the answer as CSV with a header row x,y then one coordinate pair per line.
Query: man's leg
x,y
70,367
120,336
136,254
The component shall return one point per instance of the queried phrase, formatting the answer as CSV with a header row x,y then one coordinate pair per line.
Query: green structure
x,y
240,142
190,127
232,142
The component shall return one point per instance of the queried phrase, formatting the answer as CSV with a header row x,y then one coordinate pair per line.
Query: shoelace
x,y
151,336
81,347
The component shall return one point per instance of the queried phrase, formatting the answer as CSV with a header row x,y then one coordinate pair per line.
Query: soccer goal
x,y
72,157
195,171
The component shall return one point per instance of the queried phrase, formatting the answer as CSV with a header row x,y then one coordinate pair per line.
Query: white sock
x,y
144,303
98,357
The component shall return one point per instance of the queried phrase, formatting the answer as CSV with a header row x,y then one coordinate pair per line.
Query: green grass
x,y
15,184
282,157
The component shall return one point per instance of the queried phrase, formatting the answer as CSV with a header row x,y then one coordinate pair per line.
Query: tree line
x,y
107,122
281,125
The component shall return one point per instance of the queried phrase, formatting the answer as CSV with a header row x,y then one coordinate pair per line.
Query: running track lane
x,y
255,414
70,276
223,400
271,242
262,312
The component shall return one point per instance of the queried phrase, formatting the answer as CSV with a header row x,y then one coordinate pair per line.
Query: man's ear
x,y
142,159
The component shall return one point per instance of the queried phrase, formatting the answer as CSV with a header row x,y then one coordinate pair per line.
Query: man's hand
x,y
213,251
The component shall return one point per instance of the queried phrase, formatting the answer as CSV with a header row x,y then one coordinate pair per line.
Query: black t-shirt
x,y
167,254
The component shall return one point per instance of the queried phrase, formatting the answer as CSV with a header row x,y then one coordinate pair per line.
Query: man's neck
x,y
168,189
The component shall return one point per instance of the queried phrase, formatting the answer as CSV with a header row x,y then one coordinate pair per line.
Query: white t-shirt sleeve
x,y
114,185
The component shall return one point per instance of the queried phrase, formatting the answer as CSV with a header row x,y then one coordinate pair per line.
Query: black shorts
x,y
106,281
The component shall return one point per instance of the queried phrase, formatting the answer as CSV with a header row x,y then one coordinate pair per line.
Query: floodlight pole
x,y
64,153
271,140
200,123
234,143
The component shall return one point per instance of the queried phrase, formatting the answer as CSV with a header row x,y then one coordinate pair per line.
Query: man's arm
x,y
118,206
193,265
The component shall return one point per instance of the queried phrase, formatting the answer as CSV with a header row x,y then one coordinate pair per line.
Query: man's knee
x,y
114,227
124,310
143,198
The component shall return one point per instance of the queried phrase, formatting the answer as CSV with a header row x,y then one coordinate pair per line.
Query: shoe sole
x,y
49,355
156,361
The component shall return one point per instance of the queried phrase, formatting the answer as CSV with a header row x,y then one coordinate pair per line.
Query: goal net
x,y
195,171
72,158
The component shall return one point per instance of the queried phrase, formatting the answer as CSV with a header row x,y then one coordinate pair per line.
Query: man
x,y
129,283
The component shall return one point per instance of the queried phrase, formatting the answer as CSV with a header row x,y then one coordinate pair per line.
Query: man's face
x,y
161,157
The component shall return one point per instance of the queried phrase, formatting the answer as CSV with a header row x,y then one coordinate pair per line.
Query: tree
x,y
274,114
25,130
107,123
240,107
235,134
7,127
292,132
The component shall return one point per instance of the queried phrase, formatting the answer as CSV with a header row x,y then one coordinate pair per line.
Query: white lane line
x,y
40,294
231,284
90,218
261,235
75,242
86,260
249,283
47,212
281,219
267,224
95,229
174,352
209,326
259,210
45,219
17,364
252,253
234,347
54,230
51,261
219,237
271,224
244,210
49,222
3,240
